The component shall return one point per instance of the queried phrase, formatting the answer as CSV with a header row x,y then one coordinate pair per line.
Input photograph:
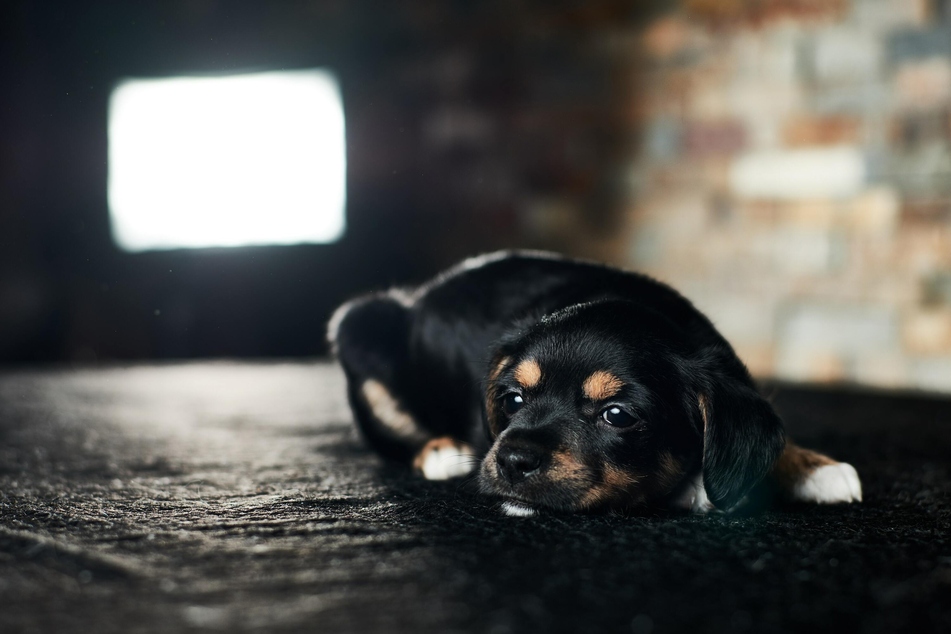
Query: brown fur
x,y
390,412
528,373
704,405
796,463
565,467
615,483
670,472
601,385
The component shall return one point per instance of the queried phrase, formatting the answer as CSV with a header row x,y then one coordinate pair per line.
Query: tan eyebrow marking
x,y
528,373
601,385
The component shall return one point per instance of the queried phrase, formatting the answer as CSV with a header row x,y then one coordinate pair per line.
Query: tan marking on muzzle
x,y
528,373
601,385
669,472
565,467
615,484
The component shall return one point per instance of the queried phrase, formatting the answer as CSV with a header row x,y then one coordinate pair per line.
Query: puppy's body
x,y
578,385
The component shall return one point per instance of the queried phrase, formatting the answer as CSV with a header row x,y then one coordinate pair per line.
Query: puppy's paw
x,y
445,458
693,497
829,484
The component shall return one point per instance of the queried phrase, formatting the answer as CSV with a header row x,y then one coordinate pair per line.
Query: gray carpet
x,y
237,497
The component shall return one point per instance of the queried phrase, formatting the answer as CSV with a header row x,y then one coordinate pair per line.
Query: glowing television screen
x,y
251,159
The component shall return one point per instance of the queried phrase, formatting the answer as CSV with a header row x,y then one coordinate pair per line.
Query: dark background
x,y
470,127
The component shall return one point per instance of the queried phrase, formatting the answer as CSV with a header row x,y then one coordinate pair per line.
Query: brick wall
x,y
794,180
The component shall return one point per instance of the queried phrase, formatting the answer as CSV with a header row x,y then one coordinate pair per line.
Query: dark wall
x,y
461,117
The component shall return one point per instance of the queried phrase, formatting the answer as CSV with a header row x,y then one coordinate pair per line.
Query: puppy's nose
x,y
515,463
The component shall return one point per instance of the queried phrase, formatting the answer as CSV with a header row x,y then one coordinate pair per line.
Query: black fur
x,y
447,354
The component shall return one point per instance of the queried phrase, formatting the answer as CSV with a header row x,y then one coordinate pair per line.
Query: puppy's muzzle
x,y
517,462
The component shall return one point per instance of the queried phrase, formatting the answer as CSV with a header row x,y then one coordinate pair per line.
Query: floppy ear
x,y
742,438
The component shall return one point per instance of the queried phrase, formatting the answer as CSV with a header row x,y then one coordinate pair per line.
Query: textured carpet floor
x,y
237,497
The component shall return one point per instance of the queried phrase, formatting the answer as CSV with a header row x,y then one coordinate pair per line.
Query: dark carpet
x,y
237,497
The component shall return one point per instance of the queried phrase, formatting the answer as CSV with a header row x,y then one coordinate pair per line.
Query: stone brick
x,y
837,172
794,251
713,138
666,38
842,54
875,211
887,370
882,16
915,44
924,84
909,131
743,319
810,365
928,332
927,212
759,359
662,139
839,328
810,214
936,289
765,54
755,98
822,130
862,98
733,12
920,254
932,374
922,173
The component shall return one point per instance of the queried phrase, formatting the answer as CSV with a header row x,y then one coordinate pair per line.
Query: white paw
x,y
694,497
514,509
830,484
444,461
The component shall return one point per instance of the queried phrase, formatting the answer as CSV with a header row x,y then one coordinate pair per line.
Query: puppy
x,y
570,386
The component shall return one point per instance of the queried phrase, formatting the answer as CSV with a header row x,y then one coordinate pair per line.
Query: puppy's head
x,y
606,405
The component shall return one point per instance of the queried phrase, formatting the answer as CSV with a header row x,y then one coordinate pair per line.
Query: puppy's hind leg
x,y
807,476
370,337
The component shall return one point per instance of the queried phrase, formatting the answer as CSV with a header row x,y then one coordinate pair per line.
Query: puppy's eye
x,y
511,403
617,417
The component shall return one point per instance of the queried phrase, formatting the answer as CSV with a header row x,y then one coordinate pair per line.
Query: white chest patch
x,y
830,484
514,509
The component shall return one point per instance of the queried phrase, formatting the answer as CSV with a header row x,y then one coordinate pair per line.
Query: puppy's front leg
x,y
444,458
806,476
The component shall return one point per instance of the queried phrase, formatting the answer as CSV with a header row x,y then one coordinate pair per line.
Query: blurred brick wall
x,y
794,181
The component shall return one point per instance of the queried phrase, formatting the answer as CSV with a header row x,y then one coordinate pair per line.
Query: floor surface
x,y
238,497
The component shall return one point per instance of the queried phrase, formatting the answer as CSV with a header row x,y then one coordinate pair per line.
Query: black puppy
x,y
581,387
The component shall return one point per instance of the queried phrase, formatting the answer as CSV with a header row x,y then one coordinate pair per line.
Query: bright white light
x,y
227,161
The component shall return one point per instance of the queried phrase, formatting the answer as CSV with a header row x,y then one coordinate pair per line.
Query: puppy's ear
x,y
742,437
